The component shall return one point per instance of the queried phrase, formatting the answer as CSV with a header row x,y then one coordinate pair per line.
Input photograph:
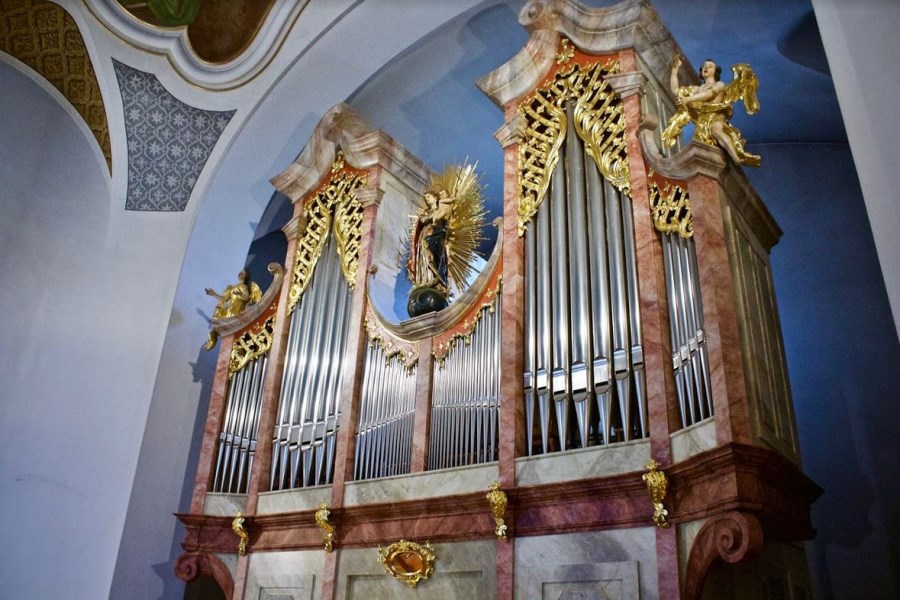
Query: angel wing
x,y
743,87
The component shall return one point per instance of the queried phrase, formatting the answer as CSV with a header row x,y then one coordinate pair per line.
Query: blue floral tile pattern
x,y
168,142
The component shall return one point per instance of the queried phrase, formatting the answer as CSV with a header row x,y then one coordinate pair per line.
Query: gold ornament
x,y
335,207
498,501
670,209
322,521
657,484
599,122
237,525
408,562
253,344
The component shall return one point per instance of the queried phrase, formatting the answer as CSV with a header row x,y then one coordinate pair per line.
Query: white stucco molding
x,y
173,43
363,147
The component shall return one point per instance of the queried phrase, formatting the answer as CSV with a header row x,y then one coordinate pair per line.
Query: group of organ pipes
x,y
603,295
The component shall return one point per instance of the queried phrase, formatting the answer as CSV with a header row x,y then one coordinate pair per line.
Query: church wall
x,y
82,286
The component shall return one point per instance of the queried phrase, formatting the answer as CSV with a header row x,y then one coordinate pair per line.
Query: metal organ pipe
x,y
237,440
465,398
689,354
384,434
303,445
582,318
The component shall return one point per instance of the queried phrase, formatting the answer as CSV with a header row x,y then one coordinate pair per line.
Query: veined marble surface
x,y
224,505
465,571
287,501
583,463
616,564
229,559
687,533
432,484
284,575
693,440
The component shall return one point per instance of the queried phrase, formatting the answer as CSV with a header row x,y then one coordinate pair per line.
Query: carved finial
x,y
322,521
338,163
566,52
657,484
497,498
237,525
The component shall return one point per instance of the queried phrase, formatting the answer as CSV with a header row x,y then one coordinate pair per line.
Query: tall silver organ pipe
x,y
307,418
689,357
466,397
584,379
386,416
237,440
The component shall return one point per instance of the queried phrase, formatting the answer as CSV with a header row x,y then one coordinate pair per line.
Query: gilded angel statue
x,y
232,301
443,236
709,107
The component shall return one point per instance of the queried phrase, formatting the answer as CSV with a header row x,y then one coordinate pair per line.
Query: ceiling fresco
x,y
218,32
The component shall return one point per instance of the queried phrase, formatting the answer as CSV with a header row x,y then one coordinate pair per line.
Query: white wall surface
x,y
83,290
863,48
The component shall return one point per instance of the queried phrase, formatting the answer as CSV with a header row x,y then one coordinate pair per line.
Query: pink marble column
x,y
512,331
262,463
726,370
354,359
213,426
240,577
351,388
654,311
512,344
651,275
422,423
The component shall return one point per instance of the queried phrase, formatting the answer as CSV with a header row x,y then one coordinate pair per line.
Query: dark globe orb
x,y
426,300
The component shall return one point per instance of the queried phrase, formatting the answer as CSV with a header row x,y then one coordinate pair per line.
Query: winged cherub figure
x,y
709,107
232,301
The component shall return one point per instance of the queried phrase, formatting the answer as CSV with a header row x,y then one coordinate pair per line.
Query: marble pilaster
x,y
720,317
212,427
262,463
422,423
353,365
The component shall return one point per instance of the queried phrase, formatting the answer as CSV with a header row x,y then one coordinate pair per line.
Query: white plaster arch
x,y
268,139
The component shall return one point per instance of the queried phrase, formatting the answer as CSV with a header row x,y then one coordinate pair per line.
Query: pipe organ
x,y
621,336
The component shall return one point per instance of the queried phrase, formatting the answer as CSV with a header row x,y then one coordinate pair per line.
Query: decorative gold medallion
x,y
408,562
657,484
237,525
497,498
324,524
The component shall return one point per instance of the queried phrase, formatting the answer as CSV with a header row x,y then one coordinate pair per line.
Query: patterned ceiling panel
x,y
168,141
45,37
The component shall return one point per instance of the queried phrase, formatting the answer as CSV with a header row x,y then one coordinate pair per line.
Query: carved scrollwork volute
x,y
192,565
734,537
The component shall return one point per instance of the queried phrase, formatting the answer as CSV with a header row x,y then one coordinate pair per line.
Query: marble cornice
x,y
699,159
344,128
730,477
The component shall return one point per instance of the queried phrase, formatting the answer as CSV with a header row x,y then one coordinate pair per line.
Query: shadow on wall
x,y
844,363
